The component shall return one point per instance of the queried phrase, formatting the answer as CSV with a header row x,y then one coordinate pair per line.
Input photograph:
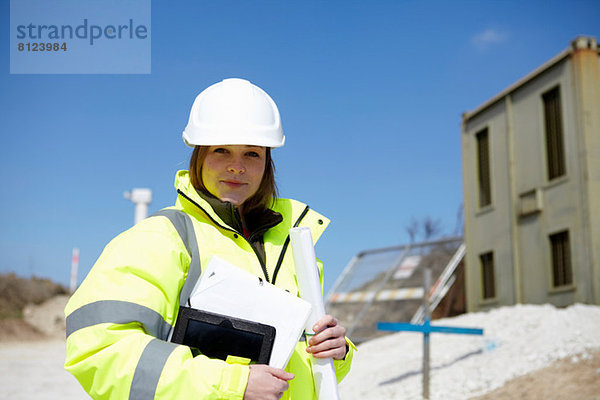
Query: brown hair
x,y
264,196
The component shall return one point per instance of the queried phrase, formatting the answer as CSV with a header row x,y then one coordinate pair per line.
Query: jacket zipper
x,y
262,265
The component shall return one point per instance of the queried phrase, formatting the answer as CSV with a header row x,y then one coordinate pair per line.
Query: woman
x,y
119,318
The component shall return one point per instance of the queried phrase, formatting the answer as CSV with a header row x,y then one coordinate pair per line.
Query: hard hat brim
x,y
241,140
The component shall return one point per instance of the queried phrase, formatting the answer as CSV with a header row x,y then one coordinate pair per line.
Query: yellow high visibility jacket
x,y
119,318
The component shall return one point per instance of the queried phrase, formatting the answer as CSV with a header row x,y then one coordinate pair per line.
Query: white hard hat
x,y
234,111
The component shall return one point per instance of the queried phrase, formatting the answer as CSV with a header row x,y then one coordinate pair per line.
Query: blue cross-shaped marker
x,y
426,328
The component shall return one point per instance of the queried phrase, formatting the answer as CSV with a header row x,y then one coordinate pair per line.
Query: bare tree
x,y
423,230
431,228
412,229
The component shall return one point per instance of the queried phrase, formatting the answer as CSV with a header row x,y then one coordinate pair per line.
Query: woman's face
x,y
233,172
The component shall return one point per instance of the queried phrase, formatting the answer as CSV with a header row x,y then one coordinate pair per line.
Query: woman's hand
x,y
266,383
330,339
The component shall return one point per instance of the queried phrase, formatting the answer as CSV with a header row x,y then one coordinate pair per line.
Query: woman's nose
x,y
236,167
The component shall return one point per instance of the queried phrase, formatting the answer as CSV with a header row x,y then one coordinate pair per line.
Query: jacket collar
x,y
258,221
189,200
188,197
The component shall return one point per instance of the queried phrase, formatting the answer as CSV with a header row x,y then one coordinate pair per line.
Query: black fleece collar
x,y
258,221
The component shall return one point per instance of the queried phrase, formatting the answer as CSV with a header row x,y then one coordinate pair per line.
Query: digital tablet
x,y
219,336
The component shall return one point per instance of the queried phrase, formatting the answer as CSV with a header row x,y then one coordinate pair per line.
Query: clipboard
x,y
220,336
228,290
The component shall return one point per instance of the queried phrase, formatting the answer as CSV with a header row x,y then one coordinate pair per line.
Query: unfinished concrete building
x,y
531,173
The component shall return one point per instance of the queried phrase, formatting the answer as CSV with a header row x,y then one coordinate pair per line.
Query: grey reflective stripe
x,y
183,224
117,312
149,368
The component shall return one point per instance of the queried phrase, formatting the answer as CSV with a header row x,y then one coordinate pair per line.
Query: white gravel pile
x,y
517,340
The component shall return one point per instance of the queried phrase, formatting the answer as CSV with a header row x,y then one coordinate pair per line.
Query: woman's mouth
x,y
233,184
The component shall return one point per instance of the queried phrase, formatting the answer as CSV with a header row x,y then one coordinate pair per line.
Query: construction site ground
x,y
32,354
31,367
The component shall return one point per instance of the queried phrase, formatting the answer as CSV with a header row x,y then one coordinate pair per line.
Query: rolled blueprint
x,y
309,286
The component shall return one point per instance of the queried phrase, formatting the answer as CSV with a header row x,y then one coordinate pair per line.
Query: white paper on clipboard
x,y
226,289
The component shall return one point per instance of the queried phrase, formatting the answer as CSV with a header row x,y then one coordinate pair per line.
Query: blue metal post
x,y
427,285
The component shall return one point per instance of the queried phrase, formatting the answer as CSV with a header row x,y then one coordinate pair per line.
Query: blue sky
x,y
371,95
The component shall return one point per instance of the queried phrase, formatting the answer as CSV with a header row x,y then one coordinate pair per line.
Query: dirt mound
x,y
17,330
569,378
31,308
17,292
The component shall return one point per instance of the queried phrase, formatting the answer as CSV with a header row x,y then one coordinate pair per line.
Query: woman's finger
x,y
328,333
326,321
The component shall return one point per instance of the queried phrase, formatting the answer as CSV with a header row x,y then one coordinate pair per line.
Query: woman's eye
x,y
252,154
220,150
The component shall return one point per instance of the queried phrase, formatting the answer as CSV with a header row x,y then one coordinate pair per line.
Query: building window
x,y
488,281
562,272
483,168
555,149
